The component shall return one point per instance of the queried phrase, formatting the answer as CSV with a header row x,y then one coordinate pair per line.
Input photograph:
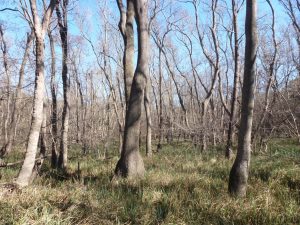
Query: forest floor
x,y
181,186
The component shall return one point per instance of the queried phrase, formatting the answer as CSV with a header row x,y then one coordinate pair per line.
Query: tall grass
x,y
181,186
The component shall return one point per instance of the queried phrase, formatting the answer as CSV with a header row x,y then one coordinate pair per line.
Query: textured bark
x,y
63,30
131,163
54,151
25,174
127,31
228,152
239,173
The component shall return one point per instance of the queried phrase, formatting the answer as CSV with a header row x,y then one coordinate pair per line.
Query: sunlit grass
x,y
181,186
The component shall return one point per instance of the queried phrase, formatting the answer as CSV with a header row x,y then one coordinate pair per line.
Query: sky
x,y
86,16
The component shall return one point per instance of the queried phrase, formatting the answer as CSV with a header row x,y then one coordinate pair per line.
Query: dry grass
x,y
181,186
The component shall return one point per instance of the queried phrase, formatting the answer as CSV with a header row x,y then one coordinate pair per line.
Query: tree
x,y
235,10
40,28
147,105
126,29
240,170
131,163
54,152
62,19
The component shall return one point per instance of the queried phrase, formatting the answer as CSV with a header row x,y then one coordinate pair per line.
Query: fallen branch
x,y
20,162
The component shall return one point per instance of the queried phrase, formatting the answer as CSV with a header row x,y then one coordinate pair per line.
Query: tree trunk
x,y
160,119
24,177
148,118
54,152
228,152
239,173
43,147
40,26
127,31
63,30
131,163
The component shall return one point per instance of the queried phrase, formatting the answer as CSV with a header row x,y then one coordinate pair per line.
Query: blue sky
x,y
89,12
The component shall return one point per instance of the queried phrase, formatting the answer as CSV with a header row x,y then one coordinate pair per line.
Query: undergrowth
x,y
181,186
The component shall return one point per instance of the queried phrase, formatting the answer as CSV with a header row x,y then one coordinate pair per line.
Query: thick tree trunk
x,y
127,31
40,27
129,50
24,177
239,173
131,163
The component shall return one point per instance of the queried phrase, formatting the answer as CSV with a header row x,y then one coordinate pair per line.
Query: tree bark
x,y
24,177
25,174
239,173
63,30
131,163
148,119
43,143
160,119
228,152
54,151
127,31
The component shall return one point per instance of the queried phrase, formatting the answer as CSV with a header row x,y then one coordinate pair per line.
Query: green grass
x,y
181,186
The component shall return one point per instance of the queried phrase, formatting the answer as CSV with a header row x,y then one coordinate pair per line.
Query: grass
x,y
181,186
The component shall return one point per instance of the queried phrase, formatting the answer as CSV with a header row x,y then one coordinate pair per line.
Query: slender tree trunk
x,y
81,113
54,151
228,152
239,173
148,118
63,30
78,132
160,119
131,163
43,147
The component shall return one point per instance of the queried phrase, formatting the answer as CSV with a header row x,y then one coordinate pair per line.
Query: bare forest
x,y
150,112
